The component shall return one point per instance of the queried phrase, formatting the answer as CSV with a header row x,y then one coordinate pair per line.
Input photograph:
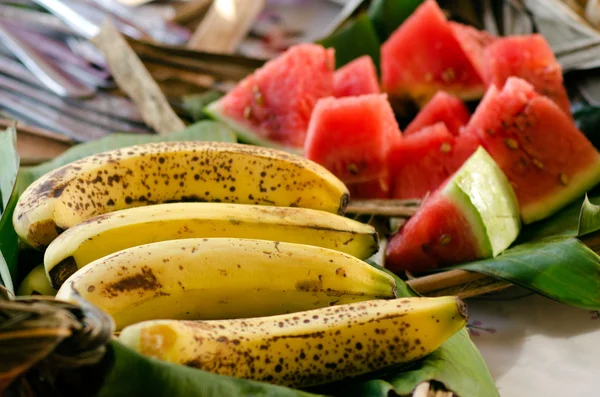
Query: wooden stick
x,y
461,283
225,25
134,79
392,208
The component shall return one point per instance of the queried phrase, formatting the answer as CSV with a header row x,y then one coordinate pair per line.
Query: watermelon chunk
x,y
358,77
546,158
352,137
272,106
530,58
474,43
474,215
444,108
420,162
424,56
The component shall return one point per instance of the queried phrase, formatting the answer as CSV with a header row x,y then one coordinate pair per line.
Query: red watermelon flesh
x,y
275,103
530,58
546,158
352,137
474,42
424,241
444,108
424,56
358,77
420,162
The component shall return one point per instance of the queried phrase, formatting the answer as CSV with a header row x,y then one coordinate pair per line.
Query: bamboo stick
x,y
225,25
461,283
391,208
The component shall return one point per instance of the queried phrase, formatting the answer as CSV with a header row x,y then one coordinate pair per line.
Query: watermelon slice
x,y
474,42
530,58
272,106
352,137
474,215
547,159
420,162
444,108
424,56
358,77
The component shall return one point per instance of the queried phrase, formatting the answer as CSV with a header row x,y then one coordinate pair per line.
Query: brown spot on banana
x,y
145,280
62,271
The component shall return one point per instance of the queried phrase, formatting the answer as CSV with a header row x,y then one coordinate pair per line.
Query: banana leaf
x,y
387,15
9,165
356,38
457,364
194,104
201,131
589,218
563,269
130,374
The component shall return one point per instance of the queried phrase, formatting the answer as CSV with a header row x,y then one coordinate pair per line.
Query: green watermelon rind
x,y
463,203
582,182
491,193
485,196
245,133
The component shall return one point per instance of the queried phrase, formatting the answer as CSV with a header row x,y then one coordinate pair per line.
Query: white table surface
x,y
534,346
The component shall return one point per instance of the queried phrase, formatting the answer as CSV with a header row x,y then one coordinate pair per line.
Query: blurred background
x,y
55,79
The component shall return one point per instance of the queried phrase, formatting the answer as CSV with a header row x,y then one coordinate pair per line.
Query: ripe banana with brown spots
x,y
115,231
309,348
217,278
172,171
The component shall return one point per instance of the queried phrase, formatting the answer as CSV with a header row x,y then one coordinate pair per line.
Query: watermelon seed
x,y
247,112
511,143
445,240
538,164
563,178
353,169
258,96
446,147
448,75
490,131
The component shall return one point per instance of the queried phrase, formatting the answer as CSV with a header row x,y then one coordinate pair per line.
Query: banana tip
x,y
462,308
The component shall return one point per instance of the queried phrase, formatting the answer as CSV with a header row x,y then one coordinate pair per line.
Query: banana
x,y
36,283
109,233
309,348
216,278
172,171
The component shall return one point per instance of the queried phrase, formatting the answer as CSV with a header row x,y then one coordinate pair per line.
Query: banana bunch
x,y
244,250
217,278
309,348
116,231
171,172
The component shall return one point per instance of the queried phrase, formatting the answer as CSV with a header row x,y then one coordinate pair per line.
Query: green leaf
x,y
194,104
201,131
9,166
356,38
589,218
563,269
387,15
458,365
131,374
